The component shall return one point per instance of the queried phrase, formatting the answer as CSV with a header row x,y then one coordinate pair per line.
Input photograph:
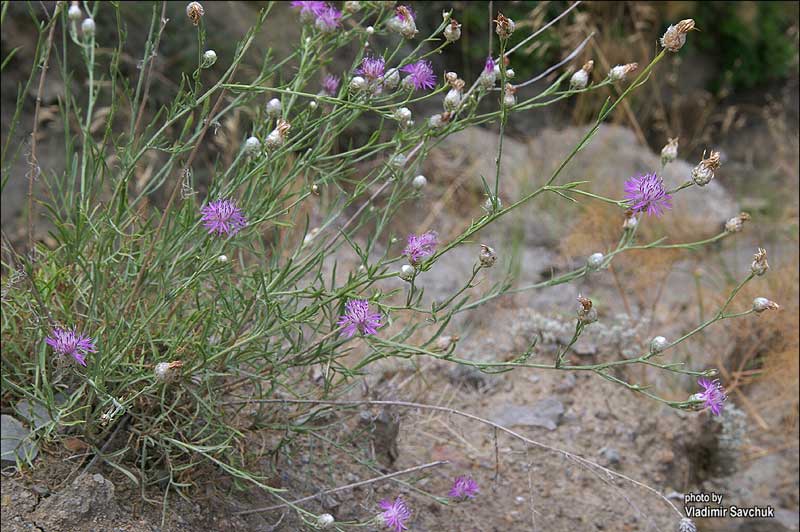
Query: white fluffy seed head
x,y
419,182
88,26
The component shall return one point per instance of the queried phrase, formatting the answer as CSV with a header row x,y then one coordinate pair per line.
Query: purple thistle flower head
x,y
395,514
463,488
358,318
488,67
72,343
309,10
328,18
646,193
372,67
330,85
713,395
421,246
405,14
223,217
420,75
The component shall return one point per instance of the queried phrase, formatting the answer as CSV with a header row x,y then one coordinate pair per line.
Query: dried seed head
x,y
277,137
586,311
167,371
487,256
452,32
760,264
658,344
195,11
703,173
74,12
419,182
504,26
619,72
675,36
595,261
88,27
439,120
734,225
669,152
760,304
274,108
209,58
509,97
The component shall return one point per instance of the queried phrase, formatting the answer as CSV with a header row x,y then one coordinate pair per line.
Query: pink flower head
x,y
328,18
421,246
395,514
358,318
330,85
420,75
405,14
223,217
309,10
713,395
646,193
488,67
70,342
372,67
463,488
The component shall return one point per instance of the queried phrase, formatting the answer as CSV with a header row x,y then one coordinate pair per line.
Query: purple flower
x,y
358,318
372,67
421,246
420,75
646,193
463,488
330,85
713,395
70,342
395,514
328,18
488,67
405,14
223,217
309,10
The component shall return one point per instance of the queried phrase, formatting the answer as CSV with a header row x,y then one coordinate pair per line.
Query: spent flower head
x,y
712,395
646,193
703,173
669,152
358,317
464,487
195,11
420,75
223,217
675,36
759,265
395,514
419,247
72,343
735,224
620,72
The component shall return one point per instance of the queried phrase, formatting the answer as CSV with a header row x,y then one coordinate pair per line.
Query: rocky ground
x,y
522,487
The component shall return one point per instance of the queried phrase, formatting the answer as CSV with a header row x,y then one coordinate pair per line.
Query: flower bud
x,y
358,84
619,72
703,173
452,100
222,258
595,261
438,120
74,12
194,10
669,152
167,371
760,264
675,36
658,344
760,304
87,26
398,161
209,58
444,343
326,520
734,225
580,79
419,182
504,26
631,221
492,204
487,256
252,145
391,79
370,30
452,32
406,272
274,108
586,311
351,7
